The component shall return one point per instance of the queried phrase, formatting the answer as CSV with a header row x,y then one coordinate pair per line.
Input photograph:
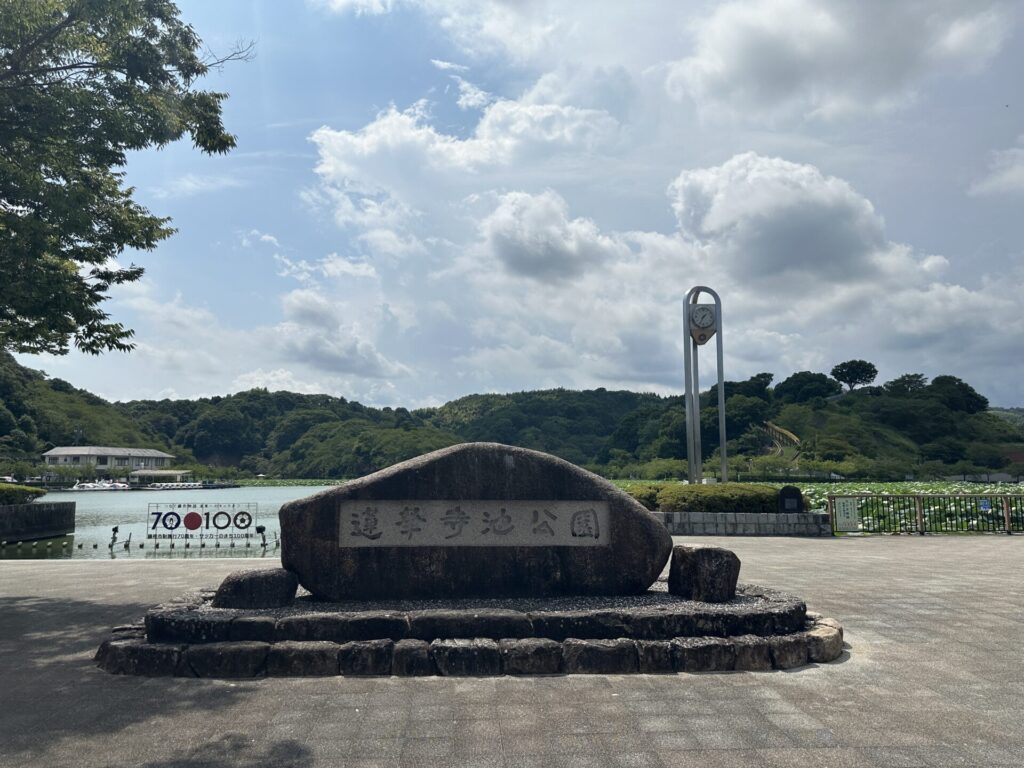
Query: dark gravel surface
x,y
748,596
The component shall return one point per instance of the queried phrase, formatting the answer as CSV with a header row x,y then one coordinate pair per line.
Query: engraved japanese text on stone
x,y
473,523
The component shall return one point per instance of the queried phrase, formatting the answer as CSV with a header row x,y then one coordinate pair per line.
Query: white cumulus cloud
x,y
1005,173
759,59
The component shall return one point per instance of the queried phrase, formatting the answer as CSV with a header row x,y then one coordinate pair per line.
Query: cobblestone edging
x,y
188,639
746,523
128,652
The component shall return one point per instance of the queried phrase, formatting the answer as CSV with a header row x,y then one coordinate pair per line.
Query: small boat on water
x,y
173,487
101,485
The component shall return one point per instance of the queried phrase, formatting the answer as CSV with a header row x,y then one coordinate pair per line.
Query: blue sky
x,y
435,198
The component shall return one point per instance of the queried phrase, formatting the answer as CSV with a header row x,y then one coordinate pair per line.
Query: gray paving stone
x,y
930,677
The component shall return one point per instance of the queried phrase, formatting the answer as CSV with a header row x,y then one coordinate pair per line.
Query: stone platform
x,y
655,632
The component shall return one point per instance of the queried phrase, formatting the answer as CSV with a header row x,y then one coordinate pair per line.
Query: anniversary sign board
x,y
477,519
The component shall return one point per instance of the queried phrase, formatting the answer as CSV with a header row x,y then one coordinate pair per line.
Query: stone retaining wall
x,y
746,523
129,653
39,520
761,630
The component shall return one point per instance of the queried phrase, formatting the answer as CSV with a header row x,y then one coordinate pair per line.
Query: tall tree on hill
x,y
804,386
853,373
906,385
81,83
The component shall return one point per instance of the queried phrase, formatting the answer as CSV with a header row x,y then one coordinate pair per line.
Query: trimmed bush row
x,y
18,494
726,497
722,497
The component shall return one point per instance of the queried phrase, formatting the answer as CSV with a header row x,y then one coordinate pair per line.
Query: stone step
x,y
130,653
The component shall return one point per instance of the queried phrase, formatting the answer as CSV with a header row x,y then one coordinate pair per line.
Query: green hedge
x,y
724,497
18,494
645,493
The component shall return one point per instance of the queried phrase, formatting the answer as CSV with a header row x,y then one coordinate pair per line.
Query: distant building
x,y
113,460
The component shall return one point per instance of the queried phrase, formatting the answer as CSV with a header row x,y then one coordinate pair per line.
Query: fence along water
x,y
927,513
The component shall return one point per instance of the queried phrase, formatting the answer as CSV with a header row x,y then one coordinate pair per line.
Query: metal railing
x,y
926,513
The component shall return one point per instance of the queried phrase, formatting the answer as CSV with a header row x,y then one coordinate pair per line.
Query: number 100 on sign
x,y
201,521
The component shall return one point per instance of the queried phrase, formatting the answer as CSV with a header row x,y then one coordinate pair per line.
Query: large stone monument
x,y
480,559
473,520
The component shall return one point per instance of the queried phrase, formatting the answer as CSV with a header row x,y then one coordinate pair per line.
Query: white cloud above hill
x,y
555,175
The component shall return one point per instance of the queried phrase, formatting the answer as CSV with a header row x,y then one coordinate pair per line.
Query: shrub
x,y
645,493
18,494
727,497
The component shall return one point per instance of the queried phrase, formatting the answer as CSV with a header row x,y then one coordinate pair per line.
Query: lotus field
x,y
818,493
892,507
945,506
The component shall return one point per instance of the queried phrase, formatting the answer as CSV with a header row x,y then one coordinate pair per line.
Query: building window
x,y
101,461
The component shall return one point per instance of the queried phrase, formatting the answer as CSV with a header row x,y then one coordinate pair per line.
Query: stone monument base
x,y
654,632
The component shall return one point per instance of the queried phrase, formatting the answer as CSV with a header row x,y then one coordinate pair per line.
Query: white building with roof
x,y
106,459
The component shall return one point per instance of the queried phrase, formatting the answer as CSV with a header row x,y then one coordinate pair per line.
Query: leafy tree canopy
x,y
804,386
956,394
81,83
854,373
907,384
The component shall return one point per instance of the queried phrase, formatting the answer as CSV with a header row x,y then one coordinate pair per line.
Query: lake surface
x,y
97,512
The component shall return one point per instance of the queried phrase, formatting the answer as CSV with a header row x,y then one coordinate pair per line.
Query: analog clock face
x,y
703,316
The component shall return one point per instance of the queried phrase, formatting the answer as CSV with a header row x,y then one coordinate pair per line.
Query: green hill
x,y
37,413
906,427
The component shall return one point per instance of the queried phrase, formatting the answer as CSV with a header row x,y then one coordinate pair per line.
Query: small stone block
x,y
655,656
824,644
462,657
561,625
788,651
601,657
530,656
228,660
188,626
787,620
494,624
332,627
708,574
253,628
260,588
411,658
827,622
377,625
711,624
752,653
366,657
134,656
703,654
316,658
294,627
125,631
661,624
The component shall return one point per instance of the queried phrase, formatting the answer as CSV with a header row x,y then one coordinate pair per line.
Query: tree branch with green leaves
x,y
82,82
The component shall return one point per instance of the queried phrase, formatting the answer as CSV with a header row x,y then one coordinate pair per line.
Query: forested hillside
x,y
908,426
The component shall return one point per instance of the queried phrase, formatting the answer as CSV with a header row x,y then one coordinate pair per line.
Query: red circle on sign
x,y
193,520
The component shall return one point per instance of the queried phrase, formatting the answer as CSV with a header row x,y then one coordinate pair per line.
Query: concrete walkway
x,y
934,677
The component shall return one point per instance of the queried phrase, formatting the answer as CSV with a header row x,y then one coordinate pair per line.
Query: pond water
x,y
97,512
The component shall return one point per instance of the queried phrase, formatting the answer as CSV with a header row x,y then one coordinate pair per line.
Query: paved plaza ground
x,y
934,676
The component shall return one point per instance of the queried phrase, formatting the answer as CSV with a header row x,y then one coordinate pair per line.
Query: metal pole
x,y
721,393
688,392
698,456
